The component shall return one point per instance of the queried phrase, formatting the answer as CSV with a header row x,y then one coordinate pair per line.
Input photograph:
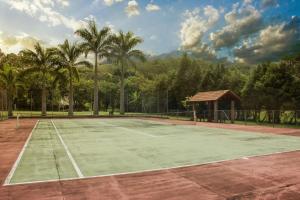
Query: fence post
x,y
194,112
296,118
257,118
273,118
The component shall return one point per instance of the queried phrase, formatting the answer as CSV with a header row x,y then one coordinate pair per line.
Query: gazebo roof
x,y
212,96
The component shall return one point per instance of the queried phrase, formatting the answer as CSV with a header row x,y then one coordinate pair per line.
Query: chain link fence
x,y
275,117
267,117
3,115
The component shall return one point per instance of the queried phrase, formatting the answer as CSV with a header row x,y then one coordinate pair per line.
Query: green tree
x,y
41,61
109,90
97,42
123,52
68,57
187,80
2,56
9,80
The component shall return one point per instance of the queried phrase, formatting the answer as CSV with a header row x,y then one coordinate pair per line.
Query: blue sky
x,y
248,31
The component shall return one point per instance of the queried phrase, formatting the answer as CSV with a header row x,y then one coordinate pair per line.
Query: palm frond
x,y
122,48
137,54
30,71
84,63
84,34
75,73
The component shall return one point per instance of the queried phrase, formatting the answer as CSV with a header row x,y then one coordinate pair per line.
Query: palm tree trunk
x,y
122,91
44,101
10,105
96,90
71,98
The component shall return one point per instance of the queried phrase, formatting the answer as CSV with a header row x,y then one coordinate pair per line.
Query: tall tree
x,y
9,80
68,58
183,78
41,61
123,52
2,56
96,42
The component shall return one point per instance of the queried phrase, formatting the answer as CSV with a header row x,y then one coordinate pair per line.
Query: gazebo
x,y
213,98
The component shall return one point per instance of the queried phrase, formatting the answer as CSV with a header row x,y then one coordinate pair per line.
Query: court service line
x,y
13,169
76,167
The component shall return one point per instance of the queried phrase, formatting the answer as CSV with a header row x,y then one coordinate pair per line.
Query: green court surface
x,y
67,149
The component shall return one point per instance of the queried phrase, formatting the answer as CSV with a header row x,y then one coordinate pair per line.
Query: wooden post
x,y
209,115
273,114
216,111
194,112
232,112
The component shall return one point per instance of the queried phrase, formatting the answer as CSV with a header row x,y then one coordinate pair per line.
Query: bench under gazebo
x,y
212,100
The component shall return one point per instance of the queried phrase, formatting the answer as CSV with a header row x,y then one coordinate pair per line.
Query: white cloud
x,y
63,2
273,42
193,29
194,26
132,8
152,7
46,11
247,1
13,44
212,14
111,26
109,2
153,37
241,22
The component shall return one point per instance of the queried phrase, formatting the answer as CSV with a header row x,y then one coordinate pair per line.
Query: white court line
x,y
155,170
13,169
77,169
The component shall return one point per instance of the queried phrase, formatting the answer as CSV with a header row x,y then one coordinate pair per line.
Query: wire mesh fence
x,y
275,117
267,117
180,115
3,115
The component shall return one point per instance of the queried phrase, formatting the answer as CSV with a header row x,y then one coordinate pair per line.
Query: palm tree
x,y
123,53
41,61
9,79
68,56
97,42
2,56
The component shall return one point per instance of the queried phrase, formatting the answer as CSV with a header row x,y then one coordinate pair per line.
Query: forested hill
x,y
191,54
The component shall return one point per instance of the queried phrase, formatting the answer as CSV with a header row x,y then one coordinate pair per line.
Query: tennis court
x,y
63,149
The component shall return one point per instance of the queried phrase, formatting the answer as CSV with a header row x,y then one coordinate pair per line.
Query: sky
x,y
248,31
